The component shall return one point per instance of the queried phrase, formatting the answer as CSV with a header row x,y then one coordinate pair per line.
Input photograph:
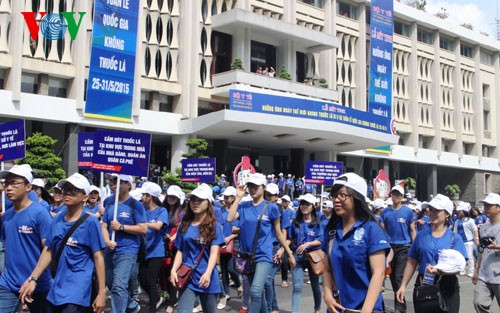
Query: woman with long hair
x,y
468,231
156,217
424,253
199,234
93,205
306,235
356,248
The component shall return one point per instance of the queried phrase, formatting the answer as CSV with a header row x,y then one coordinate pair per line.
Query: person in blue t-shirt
x,y
248,214
58,204
299,187
306,235
289,186
424,254
281,183
121,253
327,213
44,198
24,230
399,223
285,265
198,242
81,255
156,217
93,205
356,246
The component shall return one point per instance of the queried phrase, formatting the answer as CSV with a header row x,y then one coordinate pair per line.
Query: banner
x,y
323,173
112,64
121,152
12,141
381,186
242,171
85,150
381,36
198,170
305,108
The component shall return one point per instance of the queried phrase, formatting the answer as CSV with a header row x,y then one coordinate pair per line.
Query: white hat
x,y
286,198
230,191
399,189
257,179
440,202
328,204
220,198
325,194
289,175
177,192
126,178
77,180
161,198
450,261
203,191
309,198
279,201
151,188
39,183
95,188
269,176
492,198
378,203
388,202
463,206
273,189
136,194
281,174
353,181
23,170
223,175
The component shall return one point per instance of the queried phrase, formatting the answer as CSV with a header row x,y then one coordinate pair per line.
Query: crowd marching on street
x,y
81,248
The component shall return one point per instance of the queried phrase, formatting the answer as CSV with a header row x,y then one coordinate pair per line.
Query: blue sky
x,y
480,13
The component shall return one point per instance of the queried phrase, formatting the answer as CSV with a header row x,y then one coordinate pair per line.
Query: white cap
x,y
492,198
269,176
399,189
223,175
38,182
77,180
177,192
273,189
286,198
230,191
257,179
23,170
126,178
309,198
450,261
378,203
388,202
95,188
151,189
328,204
278,201
463,206
325,194
353,181
220,198
161,198
203,191
440,202
136,194
289,175
281,174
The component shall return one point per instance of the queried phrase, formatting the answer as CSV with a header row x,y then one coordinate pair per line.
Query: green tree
x,y
42,158
237,65
283,74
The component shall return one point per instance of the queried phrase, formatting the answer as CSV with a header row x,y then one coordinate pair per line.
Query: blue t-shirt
x,y
481,219
73,282
155,248
461,231
350,260
22,233
285,223
125,242
44,204
298,185
191,245
227,228
281,183
425,249
307,232
249,216
91,210
56,210
397,224
427,223
309,188
289,183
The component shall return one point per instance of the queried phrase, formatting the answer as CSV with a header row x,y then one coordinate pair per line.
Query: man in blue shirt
x,y
121,254
26,225
399,223
281,183
289,186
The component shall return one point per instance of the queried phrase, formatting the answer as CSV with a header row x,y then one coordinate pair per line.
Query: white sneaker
x,y
198,309
222,303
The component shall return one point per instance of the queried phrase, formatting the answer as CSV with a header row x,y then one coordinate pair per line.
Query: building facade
x,y
445,87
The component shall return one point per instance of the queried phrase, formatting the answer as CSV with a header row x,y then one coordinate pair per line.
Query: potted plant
x,y
453,191
237,64
411,185
283,74
323,83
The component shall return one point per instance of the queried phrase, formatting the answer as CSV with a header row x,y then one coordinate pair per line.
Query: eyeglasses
x,y
341,196
71,191
14,183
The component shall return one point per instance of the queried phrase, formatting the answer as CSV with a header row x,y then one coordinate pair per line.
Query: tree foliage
x,y
42,158
283,74
237,64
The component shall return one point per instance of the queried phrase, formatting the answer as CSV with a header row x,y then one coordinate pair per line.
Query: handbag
x,y
314,257
244,262
228,248
184,272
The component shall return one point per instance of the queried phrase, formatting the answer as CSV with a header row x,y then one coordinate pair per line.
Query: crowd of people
x,y
68,251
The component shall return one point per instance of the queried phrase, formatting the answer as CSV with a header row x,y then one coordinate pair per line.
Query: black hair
x,y
156,201
300,217
174,210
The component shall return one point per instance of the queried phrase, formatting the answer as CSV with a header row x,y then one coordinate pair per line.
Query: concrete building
x,y
445,87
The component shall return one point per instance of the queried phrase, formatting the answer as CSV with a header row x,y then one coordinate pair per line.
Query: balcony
x,y
225,81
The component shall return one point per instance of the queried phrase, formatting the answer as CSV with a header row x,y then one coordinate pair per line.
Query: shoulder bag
x,y
184,271
228,248
314,257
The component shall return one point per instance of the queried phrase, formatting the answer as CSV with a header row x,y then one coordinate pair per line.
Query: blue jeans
x,y
271,300
258,300
9,302
2,256
119,267
298,282
187,298
245,301
227,268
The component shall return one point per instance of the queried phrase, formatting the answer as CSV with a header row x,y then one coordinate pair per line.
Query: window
x,y
425,36
145,105
166,103
262,55
486,120
2,78
58,87
221,49
465,50
316,3
468,148
401,29
488,183
486,57
29,83
346,10
446,43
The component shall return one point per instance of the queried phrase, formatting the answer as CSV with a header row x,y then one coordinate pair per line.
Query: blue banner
x,y
112,64
121,152
305,108
323,173
12,141
198,170
85,150
381,35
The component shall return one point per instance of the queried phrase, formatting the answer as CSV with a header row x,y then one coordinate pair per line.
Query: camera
x,y
486,241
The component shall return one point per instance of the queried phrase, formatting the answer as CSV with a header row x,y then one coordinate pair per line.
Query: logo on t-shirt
x,y
402,220
265,218
358,234
25,229
72,242
311,233
124,214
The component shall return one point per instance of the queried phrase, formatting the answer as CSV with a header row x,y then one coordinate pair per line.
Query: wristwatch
x,y
33,278
122,228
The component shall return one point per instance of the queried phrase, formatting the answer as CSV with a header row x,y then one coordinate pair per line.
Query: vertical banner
x,y
381,33
112,64
12,141
85,150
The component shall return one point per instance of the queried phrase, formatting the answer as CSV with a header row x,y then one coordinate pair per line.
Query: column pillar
x,y
297,162
178,148
70,152
221,152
